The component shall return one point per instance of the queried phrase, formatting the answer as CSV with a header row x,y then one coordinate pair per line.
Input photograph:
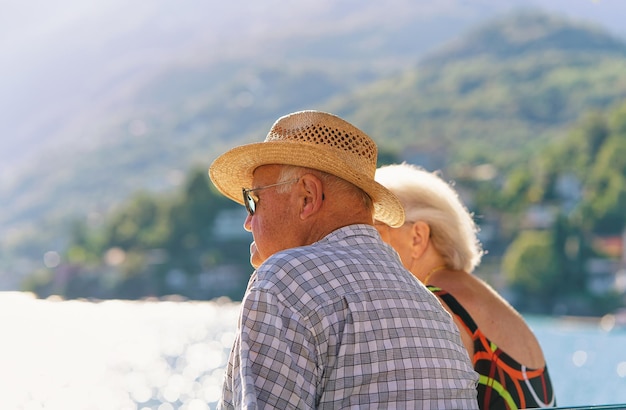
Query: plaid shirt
x,y
341,324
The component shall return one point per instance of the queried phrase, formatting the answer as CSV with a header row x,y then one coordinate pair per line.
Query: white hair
x,y
426,197
331,181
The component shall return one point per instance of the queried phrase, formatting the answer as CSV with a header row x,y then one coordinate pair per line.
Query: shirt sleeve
x,y
277,356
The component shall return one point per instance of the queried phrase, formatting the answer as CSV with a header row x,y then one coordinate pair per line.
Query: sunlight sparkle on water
x,y
166,355
579,358
112,354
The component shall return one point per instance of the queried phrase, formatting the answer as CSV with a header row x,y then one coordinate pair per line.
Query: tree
x,y
532,269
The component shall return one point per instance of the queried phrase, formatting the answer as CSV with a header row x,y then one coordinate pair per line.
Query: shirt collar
x,y
361,230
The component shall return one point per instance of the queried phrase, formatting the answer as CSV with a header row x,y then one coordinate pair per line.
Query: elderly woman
x,y
438,244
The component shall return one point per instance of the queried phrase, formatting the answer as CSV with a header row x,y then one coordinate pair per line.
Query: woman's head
x,y
428,198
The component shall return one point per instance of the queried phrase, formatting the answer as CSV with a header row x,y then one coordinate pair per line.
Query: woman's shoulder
x,y
463,286
495,317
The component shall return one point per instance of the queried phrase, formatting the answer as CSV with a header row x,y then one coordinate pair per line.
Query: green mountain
x,y
496,96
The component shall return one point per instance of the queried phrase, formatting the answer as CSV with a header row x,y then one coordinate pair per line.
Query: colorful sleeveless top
x,y
503,382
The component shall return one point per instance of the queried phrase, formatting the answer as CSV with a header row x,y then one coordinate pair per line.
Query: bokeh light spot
x,y
115,256
579,358
51,259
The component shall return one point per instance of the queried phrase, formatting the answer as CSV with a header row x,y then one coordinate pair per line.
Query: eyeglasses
x,y
250,200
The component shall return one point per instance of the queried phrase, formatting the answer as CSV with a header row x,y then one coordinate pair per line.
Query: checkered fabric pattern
x,y
341,324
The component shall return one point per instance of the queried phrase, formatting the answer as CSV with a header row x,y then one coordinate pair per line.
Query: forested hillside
x,y
498,95
481,109
191,243
580,181
490,97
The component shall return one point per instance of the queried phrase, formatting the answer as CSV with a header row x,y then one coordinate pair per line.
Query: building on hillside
x,y
608,273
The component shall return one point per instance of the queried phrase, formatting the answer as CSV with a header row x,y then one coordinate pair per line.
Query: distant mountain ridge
x,y
65,66
528,31
475,102
468,107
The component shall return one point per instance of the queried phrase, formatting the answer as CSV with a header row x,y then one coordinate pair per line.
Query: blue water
x,y
587,363
170,355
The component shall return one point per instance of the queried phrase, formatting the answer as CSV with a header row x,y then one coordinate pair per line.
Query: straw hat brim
x,y
234,170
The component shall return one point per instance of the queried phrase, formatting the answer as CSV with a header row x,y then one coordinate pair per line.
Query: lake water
x,y
166,355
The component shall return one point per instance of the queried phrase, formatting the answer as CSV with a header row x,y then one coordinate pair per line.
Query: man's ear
x,y
311,195
420,238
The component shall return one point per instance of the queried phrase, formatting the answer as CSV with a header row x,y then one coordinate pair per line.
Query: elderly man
x,y
331,318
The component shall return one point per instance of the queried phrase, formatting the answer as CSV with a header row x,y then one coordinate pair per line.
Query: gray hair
x,y
332,182
426,197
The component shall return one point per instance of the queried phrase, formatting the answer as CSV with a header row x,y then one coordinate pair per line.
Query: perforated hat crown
x,y
316,140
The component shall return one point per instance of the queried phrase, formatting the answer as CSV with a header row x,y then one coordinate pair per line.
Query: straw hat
x,y
316,140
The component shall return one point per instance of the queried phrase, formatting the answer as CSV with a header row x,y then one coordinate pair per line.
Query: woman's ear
x,y
420,238
311,195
